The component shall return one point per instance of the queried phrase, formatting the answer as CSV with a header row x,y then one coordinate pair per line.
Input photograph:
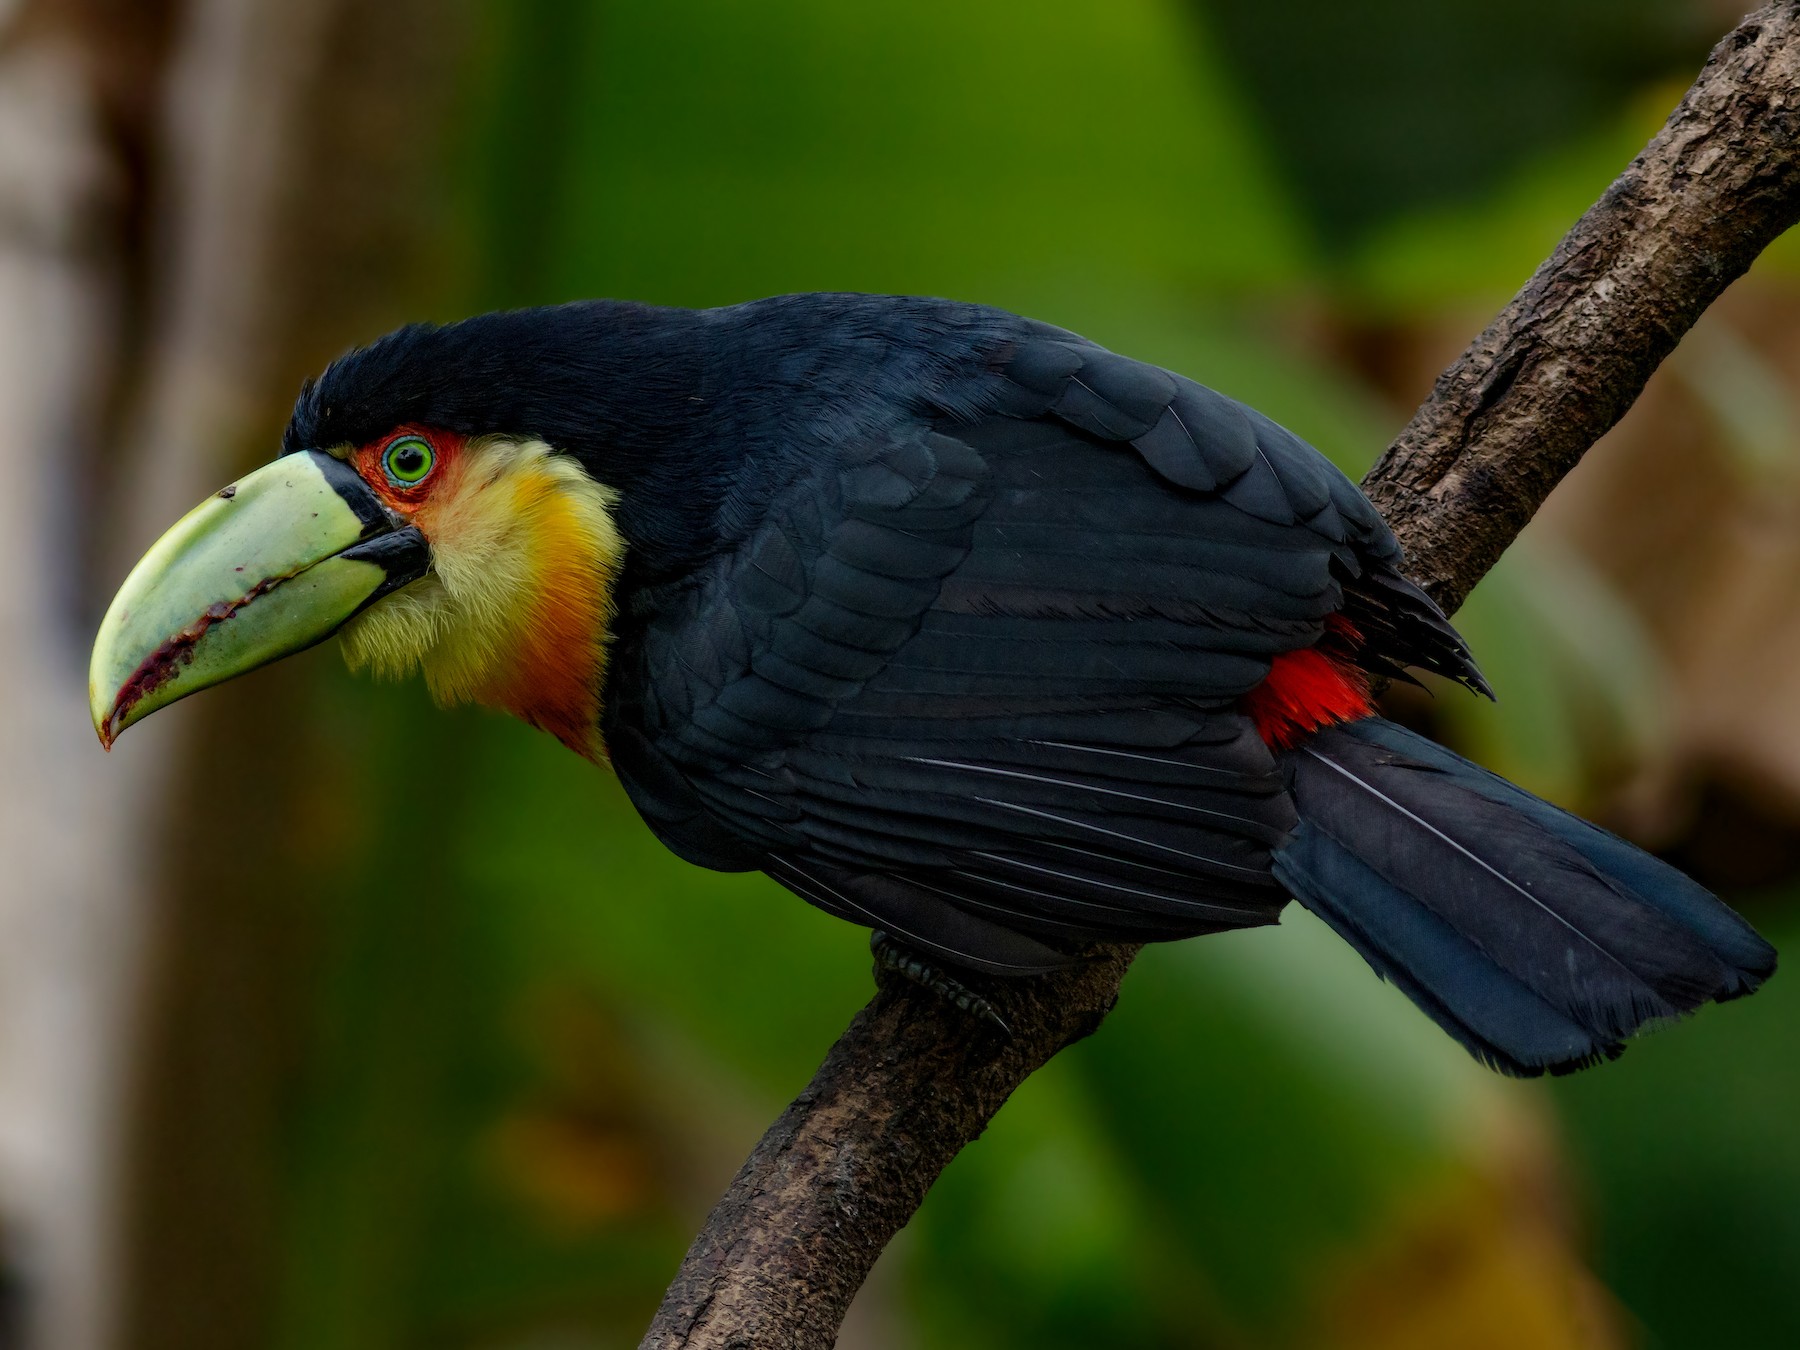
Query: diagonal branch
x,y
910,1083
1563,362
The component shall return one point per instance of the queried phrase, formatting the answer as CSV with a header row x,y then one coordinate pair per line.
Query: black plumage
x,y
1536,939
945,619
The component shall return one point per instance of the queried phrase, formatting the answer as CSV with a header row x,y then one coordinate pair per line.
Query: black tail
x,y
1537,940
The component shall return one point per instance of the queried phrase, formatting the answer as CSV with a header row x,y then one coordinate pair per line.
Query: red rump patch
x,y
1309,689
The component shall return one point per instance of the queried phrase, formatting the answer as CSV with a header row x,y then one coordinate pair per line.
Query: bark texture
x,y
1569,355
912,1081
909,1083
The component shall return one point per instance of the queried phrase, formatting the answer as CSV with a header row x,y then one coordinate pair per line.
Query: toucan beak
x,y
272,564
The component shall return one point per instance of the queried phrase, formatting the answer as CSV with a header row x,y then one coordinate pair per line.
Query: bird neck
x,y
516,612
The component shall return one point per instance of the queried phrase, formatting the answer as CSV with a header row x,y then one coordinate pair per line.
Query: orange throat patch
x,y
516,612
558,670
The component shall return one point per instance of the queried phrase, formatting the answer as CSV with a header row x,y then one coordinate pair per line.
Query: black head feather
x,y
677,409
600,378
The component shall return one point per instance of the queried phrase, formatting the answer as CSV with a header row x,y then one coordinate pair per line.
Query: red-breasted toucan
x,y
954,623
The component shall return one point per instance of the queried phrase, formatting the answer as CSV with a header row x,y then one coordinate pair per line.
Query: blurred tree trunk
x,y
198,204
77,81
300,149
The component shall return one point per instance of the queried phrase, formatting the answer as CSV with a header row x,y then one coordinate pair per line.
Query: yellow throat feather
x,y
516,612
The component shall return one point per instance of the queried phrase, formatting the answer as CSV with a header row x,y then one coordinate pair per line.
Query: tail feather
x,y
1500,1021
1537,940
1653,881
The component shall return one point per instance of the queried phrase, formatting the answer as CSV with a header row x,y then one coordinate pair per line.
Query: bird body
x,y
962,627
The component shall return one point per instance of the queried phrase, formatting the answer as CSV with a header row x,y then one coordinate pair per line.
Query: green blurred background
x,y
436,1046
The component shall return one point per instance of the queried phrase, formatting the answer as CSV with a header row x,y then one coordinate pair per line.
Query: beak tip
x,y
108,718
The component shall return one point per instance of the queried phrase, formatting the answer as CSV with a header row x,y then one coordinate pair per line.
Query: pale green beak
x,y
272,564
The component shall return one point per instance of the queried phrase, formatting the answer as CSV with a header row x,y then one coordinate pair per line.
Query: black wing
x,y
977,684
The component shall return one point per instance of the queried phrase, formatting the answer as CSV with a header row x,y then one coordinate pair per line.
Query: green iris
x,y
408,460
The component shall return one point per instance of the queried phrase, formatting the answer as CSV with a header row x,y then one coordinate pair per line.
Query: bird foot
x,y
909,965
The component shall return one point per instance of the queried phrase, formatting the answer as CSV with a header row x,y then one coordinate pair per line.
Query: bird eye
x,y
408,461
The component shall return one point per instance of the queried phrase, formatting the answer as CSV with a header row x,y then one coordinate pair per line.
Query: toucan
x,y
956,624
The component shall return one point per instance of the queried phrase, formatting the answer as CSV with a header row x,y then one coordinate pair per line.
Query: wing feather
x,y
976,681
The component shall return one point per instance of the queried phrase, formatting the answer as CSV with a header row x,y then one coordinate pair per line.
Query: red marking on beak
x,y
158,668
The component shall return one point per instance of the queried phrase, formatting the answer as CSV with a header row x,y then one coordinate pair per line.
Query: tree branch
x,y
912,1081
1562,363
